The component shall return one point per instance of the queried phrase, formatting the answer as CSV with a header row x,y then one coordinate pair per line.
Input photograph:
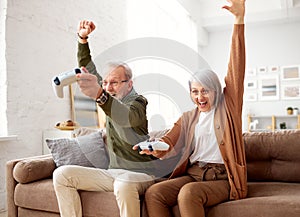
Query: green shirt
x,y
126,123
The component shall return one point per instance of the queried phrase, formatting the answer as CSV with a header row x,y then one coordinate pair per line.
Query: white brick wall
x,y
3,123
40,43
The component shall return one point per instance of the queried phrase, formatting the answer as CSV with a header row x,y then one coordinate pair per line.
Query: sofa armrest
x,y
30,173
33,169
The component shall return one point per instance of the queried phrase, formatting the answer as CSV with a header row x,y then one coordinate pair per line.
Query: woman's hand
x,y
155,153
144,151
237,8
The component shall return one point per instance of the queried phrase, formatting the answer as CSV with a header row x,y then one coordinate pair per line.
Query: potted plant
x,y
289,110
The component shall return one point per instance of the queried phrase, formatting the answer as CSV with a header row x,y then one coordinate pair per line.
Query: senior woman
x,y
212,168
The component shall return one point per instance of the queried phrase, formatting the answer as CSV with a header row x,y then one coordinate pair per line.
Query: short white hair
x,y
110,66
209,80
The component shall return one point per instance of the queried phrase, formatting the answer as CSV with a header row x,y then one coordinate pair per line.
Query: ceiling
x,y
211,17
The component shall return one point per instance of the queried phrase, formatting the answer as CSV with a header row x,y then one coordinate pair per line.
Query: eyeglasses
x,y
203,92
113,83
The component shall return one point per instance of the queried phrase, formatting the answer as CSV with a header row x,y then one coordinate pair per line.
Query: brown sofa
x,y
273,162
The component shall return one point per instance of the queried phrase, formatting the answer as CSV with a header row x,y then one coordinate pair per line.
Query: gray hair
x,y
110,66
209,80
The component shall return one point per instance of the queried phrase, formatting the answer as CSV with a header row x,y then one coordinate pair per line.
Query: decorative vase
x,y
289,110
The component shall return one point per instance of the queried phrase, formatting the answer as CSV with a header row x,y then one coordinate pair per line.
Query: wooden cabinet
x,y
273,122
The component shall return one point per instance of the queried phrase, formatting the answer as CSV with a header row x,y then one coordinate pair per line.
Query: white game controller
x,y
64,79
153,146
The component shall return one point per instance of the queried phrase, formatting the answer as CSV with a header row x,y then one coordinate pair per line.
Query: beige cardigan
x,y
227,123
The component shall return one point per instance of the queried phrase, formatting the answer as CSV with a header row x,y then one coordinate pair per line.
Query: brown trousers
x,y
202,186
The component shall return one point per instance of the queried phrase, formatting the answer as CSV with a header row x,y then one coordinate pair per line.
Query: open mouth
x,y
202,104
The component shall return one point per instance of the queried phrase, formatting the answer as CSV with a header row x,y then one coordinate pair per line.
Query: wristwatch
x,y
102,98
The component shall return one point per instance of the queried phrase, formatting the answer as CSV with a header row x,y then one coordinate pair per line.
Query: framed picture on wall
x,y
250,84
290,91
262,69
273,69
290,72
250,97
251,72
269,88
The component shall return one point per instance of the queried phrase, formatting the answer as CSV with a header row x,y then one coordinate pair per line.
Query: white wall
x,y
41,42
270,45
3,122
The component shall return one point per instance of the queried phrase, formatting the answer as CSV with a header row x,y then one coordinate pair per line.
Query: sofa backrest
x,y
273,156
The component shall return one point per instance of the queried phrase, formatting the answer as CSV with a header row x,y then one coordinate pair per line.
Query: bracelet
x,y
82,37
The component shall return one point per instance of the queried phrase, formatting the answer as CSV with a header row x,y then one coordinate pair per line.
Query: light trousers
x,y
126,185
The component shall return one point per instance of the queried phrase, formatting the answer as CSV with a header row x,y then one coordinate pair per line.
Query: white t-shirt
x,y
206,145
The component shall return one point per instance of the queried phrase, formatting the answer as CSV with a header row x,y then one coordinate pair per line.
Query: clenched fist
x,y
85,27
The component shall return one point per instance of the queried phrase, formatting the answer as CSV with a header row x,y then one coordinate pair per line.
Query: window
x,y
163,81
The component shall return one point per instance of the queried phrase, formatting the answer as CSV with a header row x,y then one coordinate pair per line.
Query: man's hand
x,y
85,27
88,84
237,8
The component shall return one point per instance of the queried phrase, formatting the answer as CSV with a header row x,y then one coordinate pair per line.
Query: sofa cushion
x,y
82,131
33,169
88,150
42,197
35,213
274,199
273,156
